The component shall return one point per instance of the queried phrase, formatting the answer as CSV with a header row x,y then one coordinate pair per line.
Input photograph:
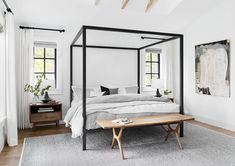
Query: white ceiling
x,y
166,15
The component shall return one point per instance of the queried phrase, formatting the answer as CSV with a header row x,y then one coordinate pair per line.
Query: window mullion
x,y
42,59
158,66
44,62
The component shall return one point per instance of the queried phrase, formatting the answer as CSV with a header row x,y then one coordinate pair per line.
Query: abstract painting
x,y
212,65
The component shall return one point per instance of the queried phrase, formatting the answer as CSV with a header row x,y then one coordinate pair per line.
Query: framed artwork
x,y
212,67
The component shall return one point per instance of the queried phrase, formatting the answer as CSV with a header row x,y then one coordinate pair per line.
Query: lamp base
x,y
158,94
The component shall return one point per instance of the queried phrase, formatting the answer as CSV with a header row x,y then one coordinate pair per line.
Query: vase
x,y
46,98
35,99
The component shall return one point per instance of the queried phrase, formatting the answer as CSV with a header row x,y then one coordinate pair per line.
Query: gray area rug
x,y
142,146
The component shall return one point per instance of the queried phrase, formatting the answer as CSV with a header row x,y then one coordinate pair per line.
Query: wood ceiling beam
x,y
124,3
150,5
97,2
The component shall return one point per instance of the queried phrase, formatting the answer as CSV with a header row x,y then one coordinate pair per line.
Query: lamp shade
x,y
47,82
158,84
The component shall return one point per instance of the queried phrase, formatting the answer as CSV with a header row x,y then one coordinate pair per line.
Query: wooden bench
x,y
166,120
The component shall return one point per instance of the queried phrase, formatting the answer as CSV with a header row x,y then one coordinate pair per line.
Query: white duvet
x,y
115,104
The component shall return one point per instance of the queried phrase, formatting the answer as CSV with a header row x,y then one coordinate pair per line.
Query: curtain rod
x,y
144,37
7,7
43,29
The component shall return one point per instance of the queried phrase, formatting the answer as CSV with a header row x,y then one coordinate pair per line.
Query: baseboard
x,y
214,122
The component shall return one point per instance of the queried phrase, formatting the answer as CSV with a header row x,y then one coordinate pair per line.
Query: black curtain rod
x,y
7,7
144,37
159,42
43,29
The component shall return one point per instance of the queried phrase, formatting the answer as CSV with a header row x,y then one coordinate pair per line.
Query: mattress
x,y
113,107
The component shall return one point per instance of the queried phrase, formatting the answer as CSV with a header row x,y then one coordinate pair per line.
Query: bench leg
x,y
170,130
117,138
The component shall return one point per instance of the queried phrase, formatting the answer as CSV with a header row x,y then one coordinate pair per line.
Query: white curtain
x,y
10,79
25,76
167,66
2,82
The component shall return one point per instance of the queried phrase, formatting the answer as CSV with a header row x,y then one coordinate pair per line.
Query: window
x,y
45,61
152,66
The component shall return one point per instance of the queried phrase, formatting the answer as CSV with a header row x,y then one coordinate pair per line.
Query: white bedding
x,y
114,106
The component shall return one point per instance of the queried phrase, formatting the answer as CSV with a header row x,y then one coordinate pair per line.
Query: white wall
x,y
106,67
217,24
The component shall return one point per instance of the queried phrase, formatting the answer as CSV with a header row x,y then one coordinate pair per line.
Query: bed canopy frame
x,y
83,33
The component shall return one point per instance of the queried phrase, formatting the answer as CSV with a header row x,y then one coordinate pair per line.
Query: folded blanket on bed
x,y
125,98
115,104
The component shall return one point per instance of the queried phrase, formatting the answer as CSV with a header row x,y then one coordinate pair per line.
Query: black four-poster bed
x,y
83,33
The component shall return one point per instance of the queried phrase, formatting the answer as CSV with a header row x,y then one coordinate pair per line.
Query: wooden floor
x,y
10,156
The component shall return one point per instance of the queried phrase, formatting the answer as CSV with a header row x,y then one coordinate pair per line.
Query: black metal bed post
x,y
181,82
7,7
138,70
107,47
71,73
84,31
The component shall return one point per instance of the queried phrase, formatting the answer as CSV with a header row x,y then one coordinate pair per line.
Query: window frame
x,y
151,62
44,63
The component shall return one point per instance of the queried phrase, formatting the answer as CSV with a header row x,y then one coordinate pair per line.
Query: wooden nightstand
x,y
37,117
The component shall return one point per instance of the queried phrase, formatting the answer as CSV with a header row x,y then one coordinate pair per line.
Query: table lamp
x,y
158,84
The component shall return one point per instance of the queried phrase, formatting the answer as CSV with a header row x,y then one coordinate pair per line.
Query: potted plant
x,y
36,89
167,92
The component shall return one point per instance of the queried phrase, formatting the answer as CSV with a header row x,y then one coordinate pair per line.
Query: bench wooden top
x,y
146,121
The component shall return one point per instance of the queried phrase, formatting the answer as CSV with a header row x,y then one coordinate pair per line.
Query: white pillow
x,y
97,89
77,92
132,89
121,90
96,94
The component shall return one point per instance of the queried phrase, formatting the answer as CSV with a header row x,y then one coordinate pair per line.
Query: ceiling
x,y
166,15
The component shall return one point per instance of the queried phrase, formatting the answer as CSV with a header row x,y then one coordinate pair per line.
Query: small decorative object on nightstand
x,y
158,84
46,98
167,92
37,90
42,113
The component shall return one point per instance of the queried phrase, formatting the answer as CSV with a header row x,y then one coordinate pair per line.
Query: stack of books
x,y
46,109
122,121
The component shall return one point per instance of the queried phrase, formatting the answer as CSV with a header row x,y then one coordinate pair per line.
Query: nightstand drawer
x,y
43,117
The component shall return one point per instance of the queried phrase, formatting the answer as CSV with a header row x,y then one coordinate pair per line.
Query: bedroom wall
x,y
216,24
106,67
